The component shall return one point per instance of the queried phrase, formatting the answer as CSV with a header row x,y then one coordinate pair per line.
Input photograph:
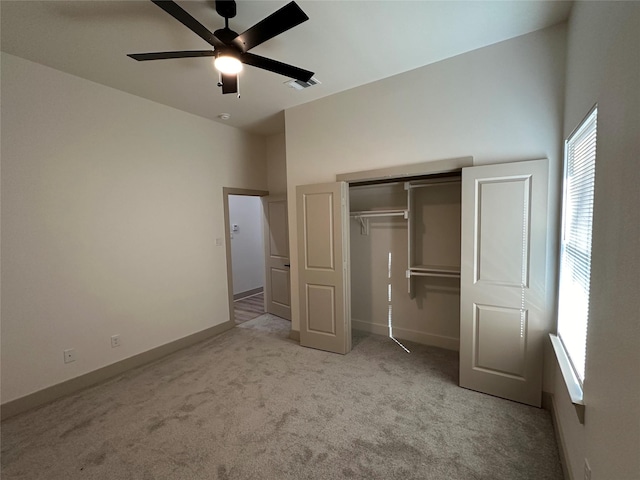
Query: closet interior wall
x,y
425,308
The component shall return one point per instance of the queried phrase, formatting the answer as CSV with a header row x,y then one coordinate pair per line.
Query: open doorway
x,y
247,256
245,252
276,286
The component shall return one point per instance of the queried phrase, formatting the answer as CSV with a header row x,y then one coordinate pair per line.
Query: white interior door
x,y
503,312
323,257
277,284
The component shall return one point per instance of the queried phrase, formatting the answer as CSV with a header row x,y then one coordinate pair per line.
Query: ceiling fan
x,y
230,49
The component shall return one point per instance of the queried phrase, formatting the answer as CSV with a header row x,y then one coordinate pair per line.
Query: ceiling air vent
x,y
298,85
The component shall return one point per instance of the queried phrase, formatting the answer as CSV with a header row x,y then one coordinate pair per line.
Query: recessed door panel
x,y
321,309
280,287
279,238
318,214
500,340
502,230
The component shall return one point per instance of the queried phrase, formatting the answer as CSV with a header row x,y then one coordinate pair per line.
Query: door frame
x,y
226,191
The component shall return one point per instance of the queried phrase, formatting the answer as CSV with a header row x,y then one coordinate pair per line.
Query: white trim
x,y
249,293
549,403
574,388
402,171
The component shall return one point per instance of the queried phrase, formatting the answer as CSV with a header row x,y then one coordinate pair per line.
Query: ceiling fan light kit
x,y
231,50
227,64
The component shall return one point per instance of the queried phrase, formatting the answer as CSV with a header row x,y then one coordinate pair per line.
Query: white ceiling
x,y
346,43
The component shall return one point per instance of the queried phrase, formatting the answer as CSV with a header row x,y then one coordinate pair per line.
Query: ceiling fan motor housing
x,y
226,35
226,9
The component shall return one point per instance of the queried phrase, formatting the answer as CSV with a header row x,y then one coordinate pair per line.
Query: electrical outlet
x,y
69,355
218,242
587,470
115,341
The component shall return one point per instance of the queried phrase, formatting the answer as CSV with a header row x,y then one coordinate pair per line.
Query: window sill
x,y
573,385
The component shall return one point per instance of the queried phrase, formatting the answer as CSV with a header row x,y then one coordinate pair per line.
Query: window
x,y
575,253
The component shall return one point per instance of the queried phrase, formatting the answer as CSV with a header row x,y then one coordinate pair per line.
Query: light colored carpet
x,y
252,404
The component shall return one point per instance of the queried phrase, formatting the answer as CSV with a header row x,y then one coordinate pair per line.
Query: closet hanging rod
x,y
435,269
380,213
434,274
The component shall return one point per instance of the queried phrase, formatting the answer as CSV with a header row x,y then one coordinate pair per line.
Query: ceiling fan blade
x,y
229,83
166,55
177,12
276,67
280,21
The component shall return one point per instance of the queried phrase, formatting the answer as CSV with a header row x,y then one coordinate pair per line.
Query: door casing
x,y
226,191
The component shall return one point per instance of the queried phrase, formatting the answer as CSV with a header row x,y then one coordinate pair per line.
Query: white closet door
x,y
323,266
277,297
504,315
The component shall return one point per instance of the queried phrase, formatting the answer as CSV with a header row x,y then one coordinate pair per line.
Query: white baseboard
x,y
248,293
450,343
549,403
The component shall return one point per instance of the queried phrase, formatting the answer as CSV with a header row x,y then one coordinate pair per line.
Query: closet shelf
x,y
365,215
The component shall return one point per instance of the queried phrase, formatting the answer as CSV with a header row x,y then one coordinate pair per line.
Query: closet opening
x,y
456,261
405,259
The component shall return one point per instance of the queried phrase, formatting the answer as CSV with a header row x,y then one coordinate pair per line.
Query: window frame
x,y
575,385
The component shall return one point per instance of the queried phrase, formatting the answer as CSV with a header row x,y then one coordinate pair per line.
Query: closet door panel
x,y
323,270
503,312
277,287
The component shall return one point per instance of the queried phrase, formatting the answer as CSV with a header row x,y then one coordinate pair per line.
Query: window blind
x,y
575,254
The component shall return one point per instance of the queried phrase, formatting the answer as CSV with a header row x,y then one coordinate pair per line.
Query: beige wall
x,y
499,103
276,164
111,205
603,66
